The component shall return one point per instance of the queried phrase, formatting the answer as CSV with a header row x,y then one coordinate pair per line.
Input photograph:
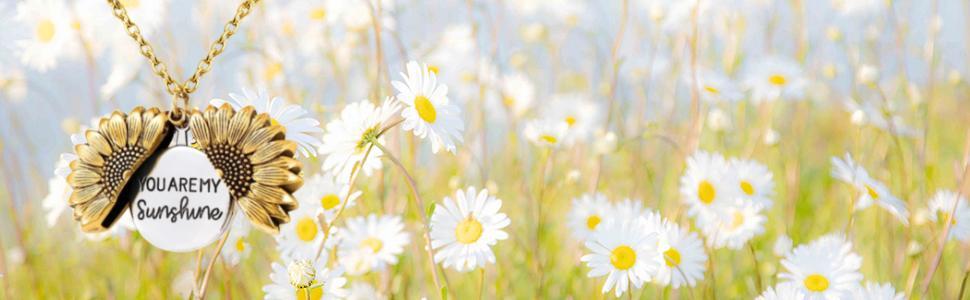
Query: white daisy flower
x,y
546,133
734,226
629,209
943,204
300,126
775,78
237,244
782,291
876,291
346,138
463,229
13,82
428,113
704,185
715,87
683,257
823,269
301,237
518,93
782,245
582,117
753,182
587,213
58,191
328,284
51,37
377,240
870,190
363,291
625,253
327,193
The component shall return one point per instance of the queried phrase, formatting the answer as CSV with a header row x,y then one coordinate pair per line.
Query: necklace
x,y
181,196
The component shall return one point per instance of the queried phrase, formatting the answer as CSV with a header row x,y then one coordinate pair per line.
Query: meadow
x,y
557,149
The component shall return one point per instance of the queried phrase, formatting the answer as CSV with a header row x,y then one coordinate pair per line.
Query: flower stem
x,y
212,262
757,268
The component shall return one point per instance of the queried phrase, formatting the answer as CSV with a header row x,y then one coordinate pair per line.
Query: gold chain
x,y
181,91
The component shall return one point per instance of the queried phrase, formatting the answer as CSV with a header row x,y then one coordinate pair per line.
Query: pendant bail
x,y
180,107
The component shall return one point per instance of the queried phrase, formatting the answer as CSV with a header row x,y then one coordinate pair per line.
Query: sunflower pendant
x,y
183,195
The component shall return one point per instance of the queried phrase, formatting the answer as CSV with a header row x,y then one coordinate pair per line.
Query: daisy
x,y
775,78
734,226
783,291
625,253
752,181
300,126
363,291
629,209
302,236
347,137
237,244
327,283
546,133
876,291
329,192
715,87
50,34
823,269
428,113
683,257
580,115
376,239
518,93
942,206
587,213
464,228
870,190
13,83
704,186
58,191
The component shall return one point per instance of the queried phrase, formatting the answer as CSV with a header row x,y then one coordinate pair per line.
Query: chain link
x,y
180,91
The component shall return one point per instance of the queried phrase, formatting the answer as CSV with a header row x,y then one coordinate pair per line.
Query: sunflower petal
x,y
272,176
220,123
153,130
289,203
200,130
134,125
266,193
239,125
98,142
93,213
89,155
259,217
117,131
84,194
82,177
259,138
272,150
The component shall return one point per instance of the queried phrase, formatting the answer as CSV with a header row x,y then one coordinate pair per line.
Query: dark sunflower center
x,y
117,164
237,171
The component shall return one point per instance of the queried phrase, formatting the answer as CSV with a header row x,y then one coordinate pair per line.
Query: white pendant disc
x,y
181,204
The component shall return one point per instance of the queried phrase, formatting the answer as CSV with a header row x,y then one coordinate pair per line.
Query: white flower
x,y
363,291
867,74
945,203
782,245
300,126
683,257
823,269
782,291
58,191
734,226
237,245
327,193
704,185
752,181
546,133
587,212
775,78
346,139
463,229
328,284
582,117
629,209
302,236
301,273
428,113
624,252
50,34
517,93
715,87
869,189
13,82
374,242
876,291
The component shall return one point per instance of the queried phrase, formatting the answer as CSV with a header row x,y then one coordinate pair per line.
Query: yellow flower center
x,y
468,231
433,69
816,283
306,229
592,222
623,257
315,293
777,79
329,201
672,257
508,100
272,70
548,138
943,216
287,28
738,220
425,109
373,243
318,14
570,120
76,25
240,245
747,187
45,30
712,90
706,192
872,192
129,4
